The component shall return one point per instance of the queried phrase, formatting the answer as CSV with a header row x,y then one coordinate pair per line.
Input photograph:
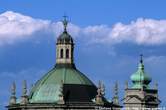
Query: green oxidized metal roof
x,y
140,79
47,88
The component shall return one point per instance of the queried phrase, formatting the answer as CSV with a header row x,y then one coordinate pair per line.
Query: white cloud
x,y
15,26
141,31
97,34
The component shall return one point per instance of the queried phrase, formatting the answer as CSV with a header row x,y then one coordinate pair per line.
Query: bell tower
x,y
64,47
141,96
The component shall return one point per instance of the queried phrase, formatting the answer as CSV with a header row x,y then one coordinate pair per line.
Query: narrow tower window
x,y
67,53
61,53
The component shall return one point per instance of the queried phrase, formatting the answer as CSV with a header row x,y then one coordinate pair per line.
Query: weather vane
x,y
65,22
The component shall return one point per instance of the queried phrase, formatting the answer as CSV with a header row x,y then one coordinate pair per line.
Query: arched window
x,y
61,53
67,53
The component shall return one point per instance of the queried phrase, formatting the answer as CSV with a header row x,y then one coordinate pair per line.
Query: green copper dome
x,y
47,88
64,80
140,79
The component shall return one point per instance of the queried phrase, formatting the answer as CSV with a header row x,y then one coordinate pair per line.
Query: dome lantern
x,y
65,47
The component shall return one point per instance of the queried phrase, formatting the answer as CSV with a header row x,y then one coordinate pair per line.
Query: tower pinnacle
x,y
13,94
65,22
141,58
116,97
24,97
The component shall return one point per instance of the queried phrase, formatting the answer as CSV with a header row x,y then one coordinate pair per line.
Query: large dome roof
x,y
46,90
63,79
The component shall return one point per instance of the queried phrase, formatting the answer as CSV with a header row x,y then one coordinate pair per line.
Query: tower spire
x,y
24,97
116,97
141,58
142,68
141,65
102,89
13,94
24,91
65,22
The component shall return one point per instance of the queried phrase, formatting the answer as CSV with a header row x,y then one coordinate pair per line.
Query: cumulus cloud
x,y
142,32
15,26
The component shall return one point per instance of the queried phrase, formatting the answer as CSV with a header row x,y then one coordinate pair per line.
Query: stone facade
x,y
139,98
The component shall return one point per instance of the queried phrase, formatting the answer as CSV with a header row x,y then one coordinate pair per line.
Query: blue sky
x,y
109,36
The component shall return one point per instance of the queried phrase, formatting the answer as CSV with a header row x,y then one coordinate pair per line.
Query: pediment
x,y
132,99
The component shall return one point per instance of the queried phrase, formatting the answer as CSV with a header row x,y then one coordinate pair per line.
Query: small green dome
x,y
140,79
46,90
140,75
